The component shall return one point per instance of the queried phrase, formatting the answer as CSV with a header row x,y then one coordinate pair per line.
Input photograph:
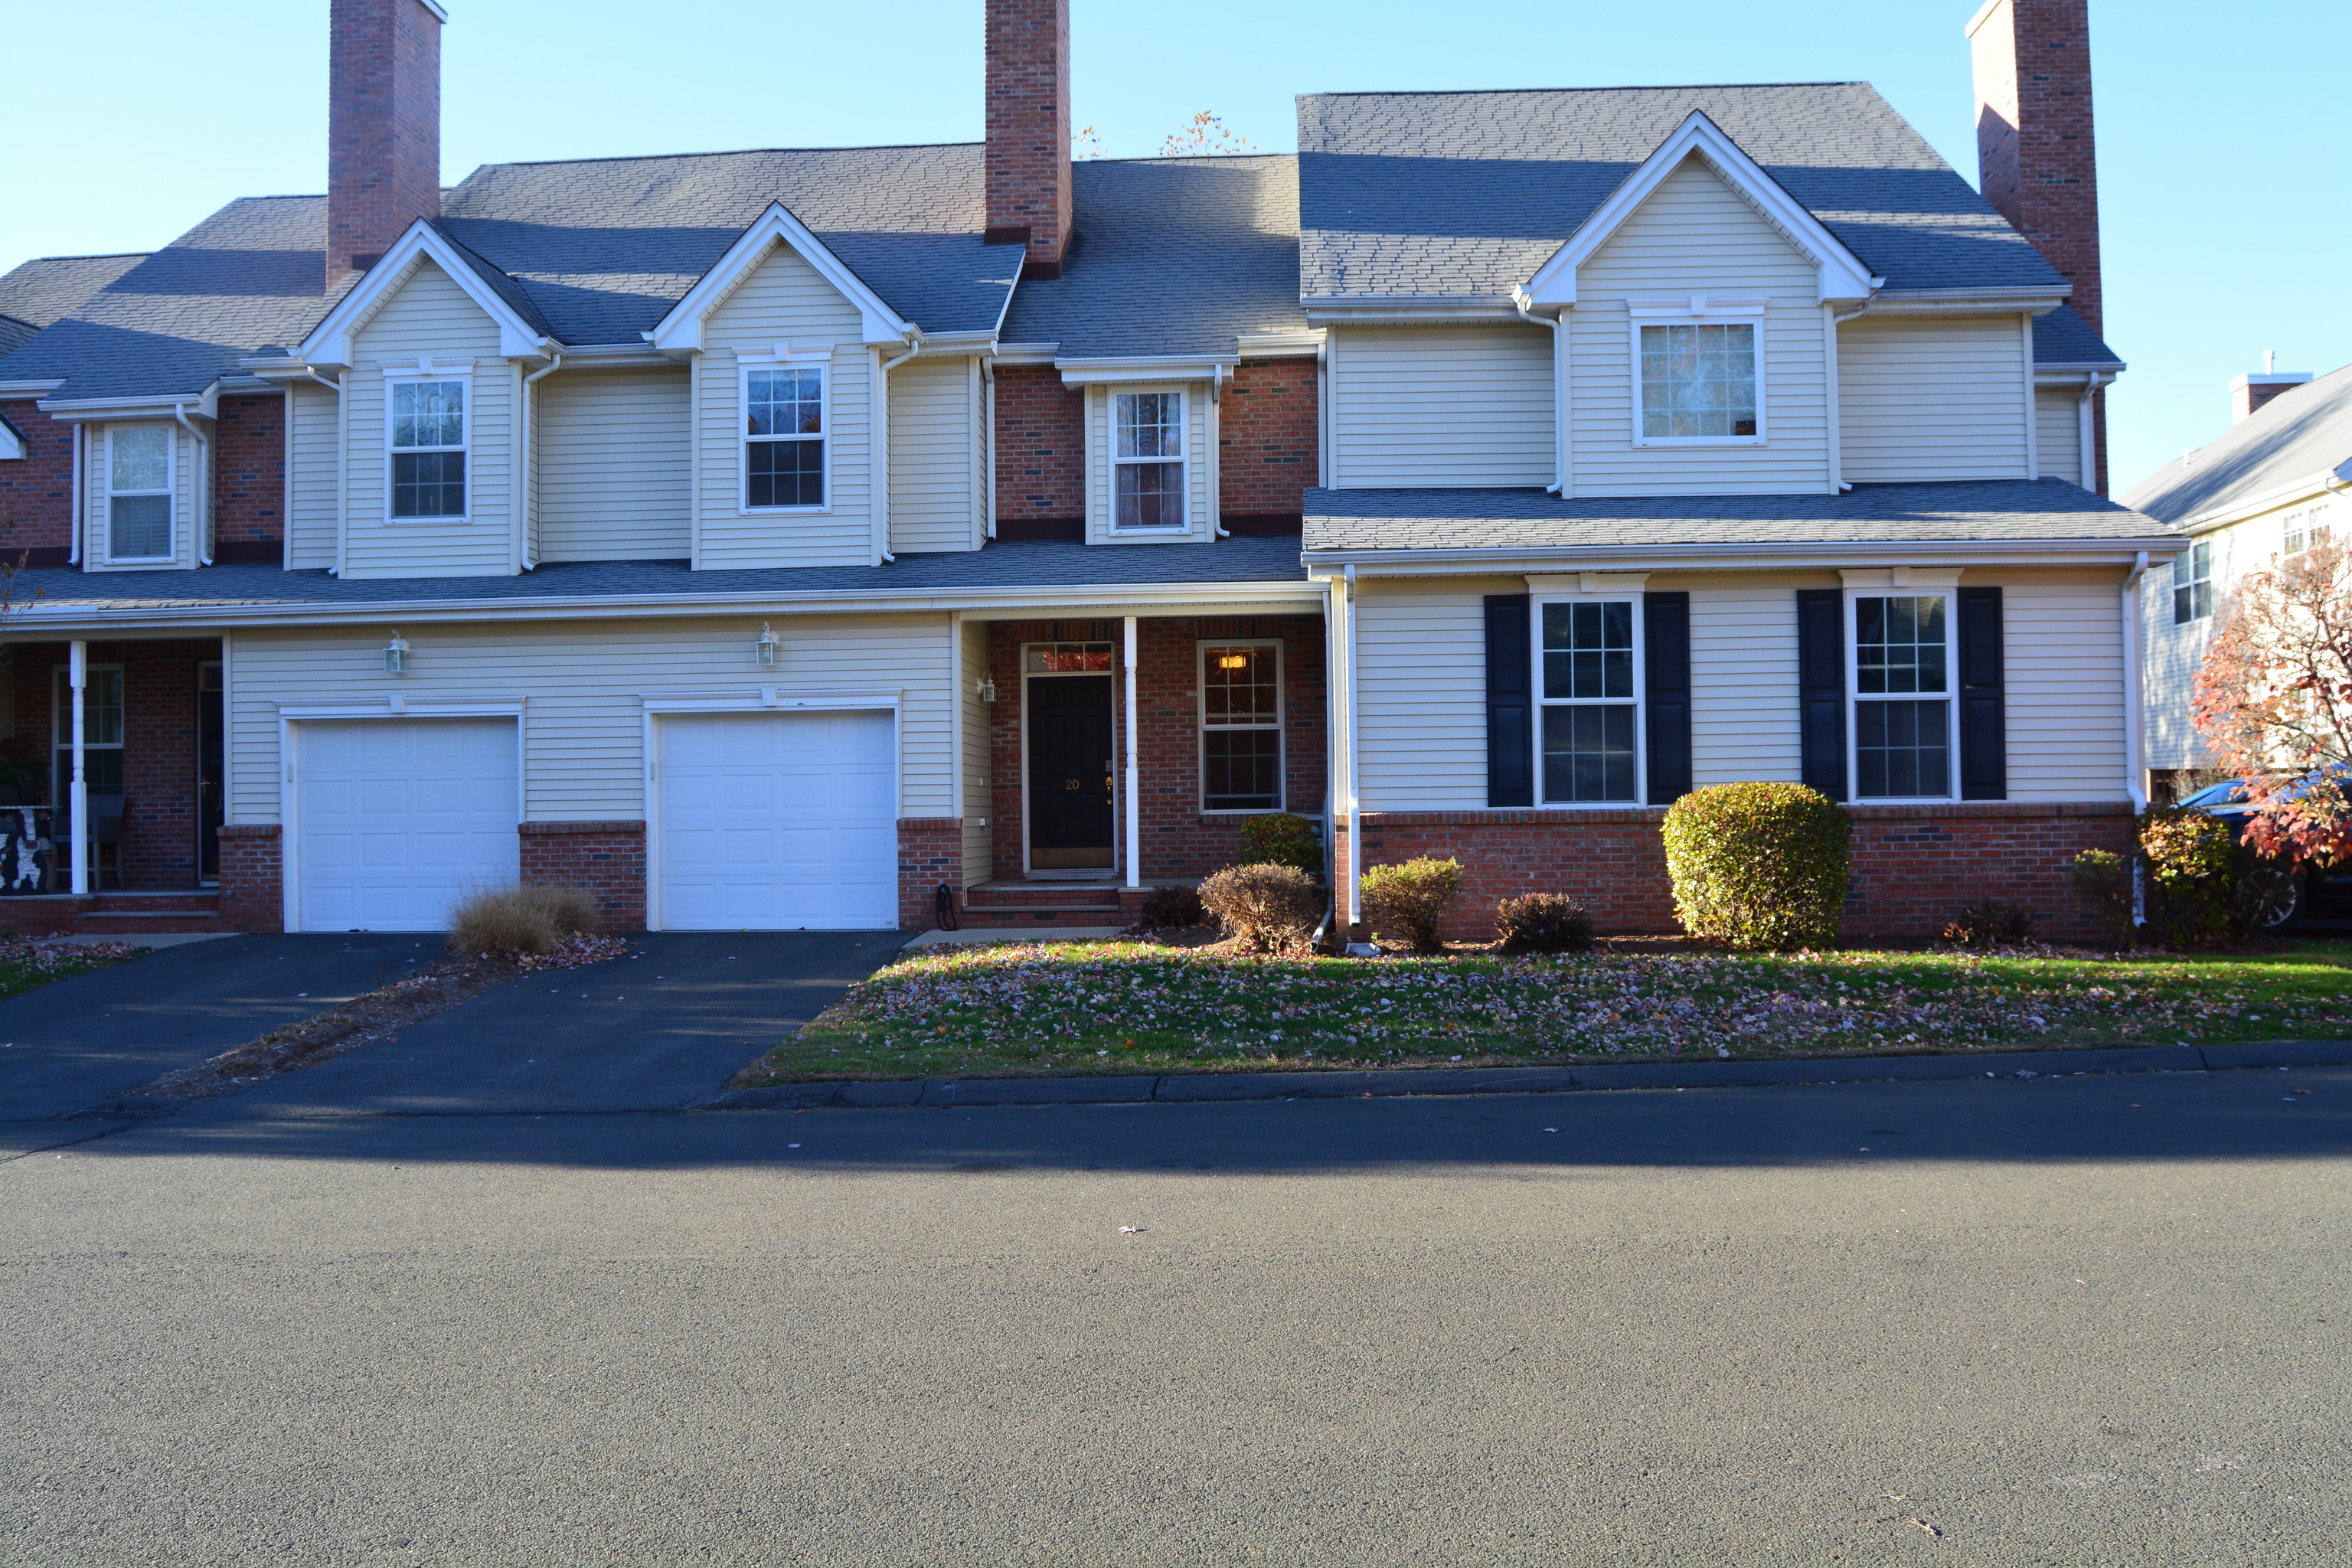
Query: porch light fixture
x,y
984,689
1233,661
767,646
396,656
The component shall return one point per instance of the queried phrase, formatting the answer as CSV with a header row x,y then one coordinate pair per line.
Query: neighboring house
x,y
800,538
2278,480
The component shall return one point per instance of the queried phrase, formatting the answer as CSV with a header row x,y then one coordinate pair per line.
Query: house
x,y
2274,483
809,538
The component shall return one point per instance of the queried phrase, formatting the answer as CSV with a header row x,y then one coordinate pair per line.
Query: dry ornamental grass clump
x,y
528,919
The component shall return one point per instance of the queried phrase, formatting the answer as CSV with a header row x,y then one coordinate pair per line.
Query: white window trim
x,y
1536,603
1938,588
2188,557
748,360
428,369
169,492
1114,461
1696,310
1280,726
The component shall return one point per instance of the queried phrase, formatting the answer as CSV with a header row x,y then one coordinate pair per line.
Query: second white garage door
x,y
398,818
777,821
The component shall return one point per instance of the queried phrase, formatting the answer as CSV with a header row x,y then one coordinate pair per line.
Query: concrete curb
x,y
1205,1088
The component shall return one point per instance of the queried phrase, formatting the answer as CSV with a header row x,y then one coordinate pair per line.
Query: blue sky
x,y
2221,129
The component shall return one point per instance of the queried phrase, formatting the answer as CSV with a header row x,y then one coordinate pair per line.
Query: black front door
x,y
1069,771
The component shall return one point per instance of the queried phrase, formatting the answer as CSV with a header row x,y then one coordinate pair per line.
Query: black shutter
x,y
1666,693
1984,720
1511,721
1821,688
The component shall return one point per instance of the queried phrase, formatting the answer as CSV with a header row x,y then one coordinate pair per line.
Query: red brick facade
x,y
37,494
249,479
1181,841
252,876
604,859
930,851
1914,866
1041,455
384,127
1267,434
1028,129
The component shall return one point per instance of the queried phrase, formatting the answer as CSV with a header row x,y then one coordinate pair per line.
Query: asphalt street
x,y
2064,1321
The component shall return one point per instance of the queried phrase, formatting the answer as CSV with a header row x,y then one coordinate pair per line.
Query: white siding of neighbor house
x,y
1933,398
311,412
978,841
2058,434
581,684
611,466
1744,719
1440,407
429,315
1101,404
1421,692
935,496
784,300
184,523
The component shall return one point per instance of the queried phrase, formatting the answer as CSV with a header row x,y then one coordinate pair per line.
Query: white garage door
x,y
777,821
398,818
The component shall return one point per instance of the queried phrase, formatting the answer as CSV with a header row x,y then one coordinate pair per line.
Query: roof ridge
x,y
718,153
93,256
1657,87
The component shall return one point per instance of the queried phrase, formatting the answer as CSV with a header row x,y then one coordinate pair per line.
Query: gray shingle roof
x,y
604,247
1040,564
2062,337
15,334
1173,256
2294,435
176,320
2002,511
1469,193
47,287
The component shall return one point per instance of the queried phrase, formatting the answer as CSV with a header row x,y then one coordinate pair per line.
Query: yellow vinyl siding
x,y
311,516
581,683
2058,434
2062,639
1100,415
1421,693
1440,407
1744,723
1695,235
1932,397
430,316
612,467
934,418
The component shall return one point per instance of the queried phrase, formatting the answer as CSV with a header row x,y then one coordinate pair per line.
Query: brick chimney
x,y
384,126
2248,393
1028,153
2035,160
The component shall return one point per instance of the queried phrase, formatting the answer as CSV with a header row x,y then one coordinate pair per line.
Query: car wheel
x,y
2272,898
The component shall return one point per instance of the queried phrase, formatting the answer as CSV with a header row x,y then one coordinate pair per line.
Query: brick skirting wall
x,y
930,851
606,859
1914,866
252,876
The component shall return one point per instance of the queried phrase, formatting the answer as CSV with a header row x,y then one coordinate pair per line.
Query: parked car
x,y
2283,894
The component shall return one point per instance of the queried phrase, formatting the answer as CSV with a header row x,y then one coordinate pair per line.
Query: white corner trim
x,y
330,341
1842,274
680,332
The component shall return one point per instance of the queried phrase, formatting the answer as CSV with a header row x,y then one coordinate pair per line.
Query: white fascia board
x,y
1135,368
680,332
84,410
1410,310
633,353
1281,345
2287,494
1027,354
1740,557
2034,300
2063,375
12,444
18,389
972,343
1843,274
330,341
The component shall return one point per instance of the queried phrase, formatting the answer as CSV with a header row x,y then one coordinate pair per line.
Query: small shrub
x,y
2103,879
1543,922
2192,876
1283,838
520,920
1174,908
1265,908
1989,922
1760,866
1414,898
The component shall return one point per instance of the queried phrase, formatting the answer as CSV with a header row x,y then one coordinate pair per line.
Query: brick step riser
x,y
974,920
1067,901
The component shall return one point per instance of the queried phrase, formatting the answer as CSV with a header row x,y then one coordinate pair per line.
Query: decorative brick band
x,y
253,876
606,859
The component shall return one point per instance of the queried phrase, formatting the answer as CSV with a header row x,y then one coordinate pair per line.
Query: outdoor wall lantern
x,y
396,656
767,646
984,689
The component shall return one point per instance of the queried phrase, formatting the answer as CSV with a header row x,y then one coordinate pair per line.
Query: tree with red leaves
x,y
2274,701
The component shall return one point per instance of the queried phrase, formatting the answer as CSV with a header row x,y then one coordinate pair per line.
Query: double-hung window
x,y
101,730
1148,460
783,436
1901,697
138,493
1587,677
2192,584
428,448
1241,726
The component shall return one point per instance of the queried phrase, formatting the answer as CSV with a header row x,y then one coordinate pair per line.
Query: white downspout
x,y
80,443
881,422
1215,423
1354,801
526,428
78,793
1838,485
1559,485
988,422
2087,467
198,489
1134,777
2134,720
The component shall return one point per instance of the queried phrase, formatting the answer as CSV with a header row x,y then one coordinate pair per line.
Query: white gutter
x,y
528,427
881,424
2135,720
1520,299
1672,557
200,525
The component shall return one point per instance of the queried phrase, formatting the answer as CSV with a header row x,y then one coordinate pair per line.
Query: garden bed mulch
x,y
370,1016
1138,1007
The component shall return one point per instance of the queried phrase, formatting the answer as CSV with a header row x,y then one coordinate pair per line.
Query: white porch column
x,y
78,793
1354,800
1134,778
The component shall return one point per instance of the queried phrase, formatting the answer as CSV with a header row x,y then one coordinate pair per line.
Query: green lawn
x,y
1134,1007
25,966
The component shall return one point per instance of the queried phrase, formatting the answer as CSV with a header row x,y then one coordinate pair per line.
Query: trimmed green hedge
x,y
1760,866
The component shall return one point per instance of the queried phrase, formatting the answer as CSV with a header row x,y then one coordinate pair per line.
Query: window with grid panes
x,y
783,443
1241,727
1590,716
1902,710
429,448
